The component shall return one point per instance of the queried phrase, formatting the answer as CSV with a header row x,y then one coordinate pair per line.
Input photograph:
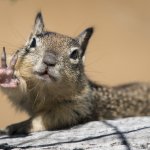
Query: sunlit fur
x,y
68,97
53,100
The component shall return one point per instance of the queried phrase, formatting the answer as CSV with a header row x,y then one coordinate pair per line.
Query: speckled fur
x,y
71,98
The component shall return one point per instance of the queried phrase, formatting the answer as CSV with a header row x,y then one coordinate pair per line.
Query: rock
x,y
121,134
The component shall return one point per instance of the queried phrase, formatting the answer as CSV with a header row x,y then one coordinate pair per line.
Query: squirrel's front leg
x,y
17,128
23,128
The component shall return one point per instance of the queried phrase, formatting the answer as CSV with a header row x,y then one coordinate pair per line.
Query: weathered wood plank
x,y
122,134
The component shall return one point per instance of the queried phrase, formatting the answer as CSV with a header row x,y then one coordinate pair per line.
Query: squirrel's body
x,y
54,90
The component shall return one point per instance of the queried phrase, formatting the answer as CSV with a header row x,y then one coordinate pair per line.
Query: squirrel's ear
x,y
39,24
84,37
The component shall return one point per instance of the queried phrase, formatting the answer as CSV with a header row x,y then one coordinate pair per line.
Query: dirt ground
x,y
119,51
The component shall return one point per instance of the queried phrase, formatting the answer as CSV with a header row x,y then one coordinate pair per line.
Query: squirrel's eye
x,y
74,55
33,43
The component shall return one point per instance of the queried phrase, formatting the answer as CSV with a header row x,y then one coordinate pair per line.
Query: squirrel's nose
x,y
49,59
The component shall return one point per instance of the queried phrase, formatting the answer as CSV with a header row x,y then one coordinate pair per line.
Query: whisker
x,y
35,100
96,72
37,84
93,62
8,43
8,47
16,33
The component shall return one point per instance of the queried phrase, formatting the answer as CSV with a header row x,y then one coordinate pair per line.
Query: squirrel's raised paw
x,y
7,77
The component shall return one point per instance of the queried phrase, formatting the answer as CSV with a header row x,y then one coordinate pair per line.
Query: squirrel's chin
x,y
45,77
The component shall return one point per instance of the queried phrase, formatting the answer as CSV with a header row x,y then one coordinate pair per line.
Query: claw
x,y
3,59
7,77
13,61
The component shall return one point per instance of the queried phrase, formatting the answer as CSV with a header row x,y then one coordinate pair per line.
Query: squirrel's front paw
x,y
22,128
7,77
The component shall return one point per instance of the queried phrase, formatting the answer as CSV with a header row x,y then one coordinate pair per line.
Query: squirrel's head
x,y
52,57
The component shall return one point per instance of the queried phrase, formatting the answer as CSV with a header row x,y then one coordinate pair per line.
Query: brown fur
x,y
69,97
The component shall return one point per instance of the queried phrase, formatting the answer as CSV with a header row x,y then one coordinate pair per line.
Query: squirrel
x,y
46,79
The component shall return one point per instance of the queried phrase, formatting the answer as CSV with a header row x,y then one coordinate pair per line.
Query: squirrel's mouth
x,y
45,75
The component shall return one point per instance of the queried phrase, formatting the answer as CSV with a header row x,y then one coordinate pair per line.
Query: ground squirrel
x,y
46,79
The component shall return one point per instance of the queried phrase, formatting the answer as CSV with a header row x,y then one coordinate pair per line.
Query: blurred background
x,y
119,51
